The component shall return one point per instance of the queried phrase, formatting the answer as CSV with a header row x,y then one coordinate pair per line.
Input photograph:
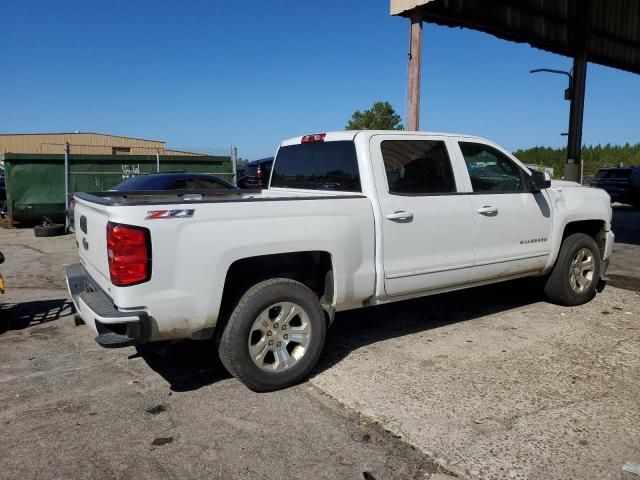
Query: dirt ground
x,y
486,384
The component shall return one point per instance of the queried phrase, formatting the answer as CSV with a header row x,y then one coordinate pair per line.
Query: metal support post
x,y
573,167
234,164
66,186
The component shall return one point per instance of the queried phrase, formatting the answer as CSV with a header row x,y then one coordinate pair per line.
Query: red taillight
x,y
316,137
259,174
129,252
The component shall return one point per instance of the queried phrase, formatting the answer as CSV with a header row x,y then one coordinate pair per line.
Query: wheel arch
x,y
595,228
312,268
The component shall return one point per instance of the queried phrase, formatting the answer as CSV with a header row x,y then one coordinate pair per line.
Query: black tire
x,y
54,230
558,285
233,340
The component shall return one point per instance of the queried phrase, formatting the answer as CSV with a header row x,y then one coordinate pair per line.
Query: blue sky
x,y
250,73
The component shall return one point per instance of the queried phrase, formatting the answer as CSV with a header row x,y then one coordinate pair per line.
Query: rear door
x,y
427,224
512,225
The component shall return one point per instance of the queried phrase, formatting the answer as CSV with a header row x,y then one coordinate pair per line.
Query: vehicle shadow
x,y
17,316
191,365
354,329
186,365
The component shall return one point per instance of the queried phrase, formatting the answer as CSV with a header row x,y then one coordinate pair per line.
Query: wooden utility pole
x,y
415,63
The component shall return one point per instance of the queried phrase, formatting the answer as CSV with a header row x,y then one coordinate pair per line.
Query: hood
x,y
564,183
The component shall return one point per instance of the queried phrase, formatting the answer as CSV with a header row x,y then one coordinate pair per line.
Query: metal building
x,y
83,142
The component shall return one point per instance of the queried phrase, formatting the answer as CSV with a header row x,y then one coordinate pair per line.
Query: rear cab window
x,y
329,165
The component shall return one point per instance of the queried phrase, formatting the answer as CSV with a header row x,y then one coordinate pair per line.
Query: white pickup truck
x,y
350,219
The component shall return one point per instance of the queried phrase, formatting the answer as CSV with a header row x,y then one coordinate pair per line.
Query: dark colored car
x,y
621,183
256,174
173,181
167,181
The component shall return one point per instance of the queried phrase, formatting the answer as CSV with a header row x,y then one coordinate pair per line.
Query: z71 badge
x,y
169,214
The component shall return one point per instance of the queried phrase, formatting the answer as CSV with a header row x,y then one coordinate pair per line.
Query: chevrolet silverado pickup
x,y
350,219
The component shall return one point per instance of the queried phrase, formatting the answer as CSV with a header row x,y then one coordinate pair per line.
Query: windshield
x,y
317,166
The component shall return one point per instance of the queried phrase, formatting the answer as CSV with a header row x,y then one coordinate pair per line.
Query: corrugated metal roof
x,y
81,133
613,33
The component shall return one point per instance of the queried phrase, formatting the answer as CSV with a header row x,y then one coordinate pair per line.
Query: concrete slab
x,y
624,271
495,383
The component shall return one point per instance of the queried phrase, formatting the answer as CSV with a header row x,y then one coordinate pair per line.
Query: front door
x,y
427,226
512,224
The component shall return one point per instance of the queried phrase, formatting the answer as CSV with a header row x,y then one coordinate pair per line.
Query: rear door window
x,y
417,167
620,174
200,183
317,166
147,182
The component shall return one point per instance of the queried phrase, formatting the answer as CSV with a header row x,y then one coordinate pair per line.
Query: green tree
x,y
593,156
381,116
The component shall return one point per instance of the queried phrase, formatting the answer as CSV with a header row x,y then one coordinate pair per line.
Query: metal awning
x,y
610,28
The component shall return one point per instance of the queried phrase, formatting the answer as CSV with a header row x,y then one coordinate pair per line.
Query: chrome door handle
x,y
400,216
488,211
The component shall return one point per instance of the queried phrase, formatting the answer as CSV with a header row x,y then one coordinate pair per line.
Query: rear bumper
x,y
113,327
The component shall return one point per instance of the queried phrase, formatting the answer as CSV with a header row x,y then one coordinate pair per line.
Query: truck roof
x,y
351,135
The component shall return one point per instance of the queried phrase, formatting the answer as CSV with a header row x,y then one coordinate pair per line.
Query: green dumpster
x,y
35,182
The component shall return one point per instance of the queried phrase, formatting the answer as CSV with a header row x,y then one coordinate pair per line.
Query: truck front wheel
x,y
274,336
575,275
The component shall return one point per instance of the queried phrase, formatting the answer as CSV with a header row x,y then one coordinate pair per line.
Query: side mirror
x,y
539,181
1,258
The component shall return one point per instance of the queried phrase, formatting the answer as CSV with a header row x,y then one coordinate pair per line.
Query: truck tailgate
x,y
90,224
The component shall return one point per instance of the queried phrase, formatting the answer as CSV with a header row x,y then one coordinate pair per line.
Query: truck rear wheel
x,y
274,336
575,275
